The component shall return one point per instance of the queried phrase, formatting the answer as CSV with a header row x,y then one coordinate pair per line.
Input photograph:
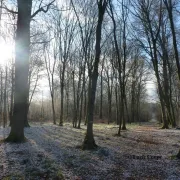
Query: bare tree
x,y
89,142
169,7
50,68
22,53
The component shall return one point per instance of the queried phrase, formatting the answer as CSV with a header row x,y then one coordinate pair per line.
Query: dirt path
x,y
142,152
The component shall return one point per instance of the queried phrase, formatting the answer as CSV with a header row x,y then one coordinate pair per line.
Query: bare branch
x,y
8,10
42,9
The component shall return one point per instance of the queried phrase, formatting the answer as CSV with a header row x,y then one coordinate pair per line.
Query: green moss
x,y
48,163
1,141
173,157
14,177
59,175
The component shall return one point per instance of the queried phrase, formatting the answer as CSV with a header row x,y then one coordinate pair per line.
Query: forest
x,y
89,89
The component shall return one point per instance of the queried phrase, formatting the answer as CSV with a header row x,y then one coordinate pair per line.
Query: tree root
x,y
15,138
89,144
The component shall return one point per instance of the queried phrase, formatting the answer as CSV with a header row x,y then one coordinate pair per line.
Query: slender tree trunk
x,y
109,105
53,108
89,142
161,94
120,69
163,111
101,97
133,85
5,101
120,117
82,98
78,99
67,98
85,107
124,66
109,96
169,6
166,78
42,109
126,106
1,103
74,109
12,96
117,104
123,112
138,102
62,96
80,111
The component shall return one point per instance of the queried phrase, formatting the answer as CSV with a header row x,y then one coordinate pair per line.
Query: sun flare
x,y
6,52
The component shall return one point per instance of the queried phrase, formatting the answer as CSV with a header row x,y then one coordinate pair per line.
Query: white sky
x,y
6,54
6,51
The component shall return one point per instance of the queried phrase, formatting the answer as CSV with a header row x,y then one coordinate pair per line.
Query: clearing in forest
x,y
52,152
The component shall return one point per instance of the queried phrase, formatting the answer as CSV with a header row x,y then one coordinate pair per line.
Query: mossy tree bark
x,y
89,142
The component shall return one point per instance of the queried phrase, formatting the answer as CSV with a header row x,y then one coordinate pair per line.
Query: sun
x,y
6,52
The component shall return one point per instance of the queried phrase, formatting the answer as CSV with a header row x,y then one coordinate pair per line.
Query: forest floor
x,y
52,152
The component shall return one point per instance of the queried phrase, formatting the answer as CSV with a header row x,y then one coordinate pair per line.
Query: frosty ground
x,y
53,152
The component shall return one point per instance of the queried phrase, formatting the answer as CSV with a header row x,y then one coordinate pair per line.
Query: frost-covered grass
x,y
52,152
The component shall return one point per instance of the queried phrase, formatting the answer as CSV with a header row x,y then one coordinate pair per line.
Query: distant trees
x,y
66,45
71,47
154,29
50,68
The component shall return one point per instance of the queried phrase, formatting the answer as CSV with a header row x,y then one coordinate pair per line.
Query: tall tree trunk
x,y
123,111
67,97
117,104
89,142
161,93
78,99
5,100
82,96
62,95
166,78
22,50
74,99
42,109
12,96
124,17
53,107
120,68
169,7
85,107
101,95
109,101
1,103
120,116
